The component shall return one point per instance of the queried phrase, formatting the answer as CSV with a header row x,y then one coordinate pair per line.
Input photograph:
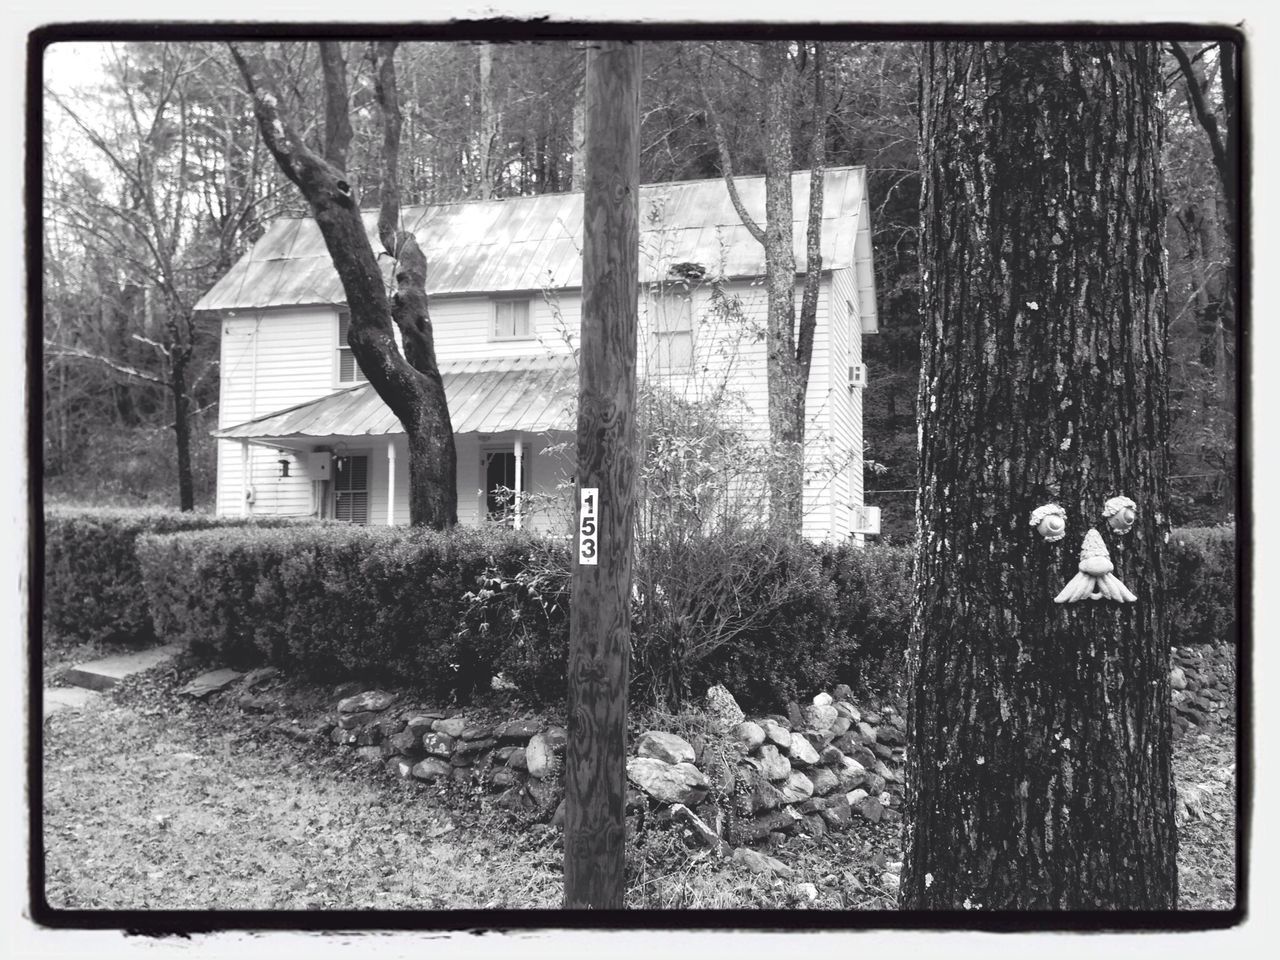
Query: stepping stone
x,y
211,682
106,673
66,698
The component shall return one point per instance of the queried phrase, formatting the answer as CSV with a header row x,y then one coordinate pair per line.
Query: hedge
x,y
92,581
447,612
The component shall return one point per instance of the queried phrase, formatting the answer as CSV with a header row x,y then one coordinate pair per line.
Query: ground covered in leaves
x,y
154,801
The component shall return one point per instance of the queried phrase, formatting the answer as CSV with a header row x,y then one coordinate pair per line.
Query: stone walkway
x,y
88,679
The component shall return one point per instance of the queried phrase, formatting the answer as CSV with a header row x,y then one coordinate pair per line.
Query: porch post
x,y
391,483
244,478
519,450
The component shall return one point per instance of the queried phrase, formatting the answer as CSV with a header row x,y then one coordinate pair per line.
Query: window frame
x,y
487,452
340,347
660,339
498,302
366,455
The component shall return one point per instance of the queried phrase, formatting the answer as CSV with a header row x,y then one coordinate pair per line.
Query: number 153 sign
x,y
589,525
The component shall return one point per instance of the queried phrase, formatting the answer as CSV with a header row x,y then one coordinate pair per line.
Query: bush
x,y
874,592
1202,582
333,601
92,581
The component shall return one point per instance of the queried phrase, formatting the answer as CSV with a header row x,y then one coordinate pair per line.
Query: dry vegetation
x,y
155,802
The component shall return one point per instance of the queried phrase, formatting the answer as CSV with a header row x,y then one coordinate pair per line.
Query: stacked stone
x,y
808,772
522,760
1203,682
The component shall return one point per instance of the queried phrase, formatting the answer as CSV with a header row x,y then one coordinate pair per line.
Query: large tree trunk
x,y
410,384
1039,762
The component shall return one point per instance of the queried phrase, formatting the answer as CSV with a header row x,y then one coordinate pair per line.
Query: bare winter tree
x,y
789,348
1039,770
409,383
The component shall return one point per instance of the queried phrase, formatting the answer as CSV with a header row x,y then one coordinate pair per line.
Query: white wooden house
x,y
301,434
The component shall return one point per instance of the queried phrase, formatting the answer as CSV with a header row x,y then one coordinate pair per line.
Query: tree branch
x,y
1201,110
59,352
813,236
726,168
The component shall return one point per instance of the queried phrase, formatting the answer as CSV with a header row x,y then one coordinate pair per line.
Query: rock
x,y
210,683
517,760
518,731
751,735
544,752
668,782
885,799
400,767
453,727
370,753
871,717
840,726
546,793
814,826
347,688
657,745
473,748
369,736
1177,679
462,775
776,733
635,801
438,744
874,784
821,718
832,756
500,755
420,724
761,797
870,808
720,772
846,709
798,787
866,731
431,770
705,835
353,721
401,743
252,704
899,722
476,732
462,759
824,781
812,805
773,764
258,676
890,736
759,863
838,815
841,691
883,752
884,771
517,798
723,709
371,700
794,715
390,726
503,777
802,752
344,738
823,700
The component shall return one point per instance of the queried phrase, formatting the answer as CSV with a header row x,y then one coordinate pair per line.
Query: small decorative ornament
x,y
1120,513
1095,581
1050,521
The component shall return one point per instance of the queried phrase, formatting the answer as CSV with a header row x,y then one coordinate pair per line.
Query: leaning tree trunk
x,y
1039,765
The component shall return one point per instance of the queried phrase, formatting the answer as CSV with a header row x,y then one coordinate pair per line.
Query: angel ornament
x,y
1095,581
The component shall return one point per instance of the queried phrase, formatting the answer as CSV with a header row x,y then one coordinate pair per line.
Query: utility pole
x,y
600,622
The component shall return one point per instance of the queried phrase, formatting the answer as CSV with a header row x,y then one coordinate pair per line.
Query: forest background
x,y
155,182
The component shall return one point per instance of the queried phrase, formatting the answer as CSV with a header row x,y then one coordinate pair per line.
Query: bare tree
x,y
409,382
789,347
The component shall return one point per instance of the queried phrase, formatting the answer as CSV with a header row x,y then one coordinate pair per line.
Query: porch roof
x,y
528,394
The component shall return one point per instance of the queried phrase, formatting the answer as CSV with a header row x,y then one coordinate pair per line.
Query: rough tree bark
x,y
1039,762
789,351
409,383
600,624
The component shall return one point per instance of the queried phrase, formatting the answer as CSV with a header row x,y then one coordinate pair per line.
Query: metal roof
x,y
531,243
529,394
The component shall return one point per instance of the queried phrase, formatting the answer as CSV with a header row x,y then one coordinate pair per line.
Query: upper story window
x,y
671,330
512,320
348,370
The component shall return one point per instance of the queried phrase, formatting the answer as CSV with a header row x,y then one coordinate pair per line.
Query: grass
x,y
152,801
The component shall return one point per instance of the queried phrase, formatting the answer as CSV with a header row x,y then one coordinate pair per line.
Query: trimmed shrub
x,y
1203,580
334,601
92,581
874,593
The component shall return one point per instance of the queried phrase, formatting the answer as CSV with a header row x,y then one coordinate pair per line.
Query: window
x,y
671,330
500,481
348,370
512,320
351,489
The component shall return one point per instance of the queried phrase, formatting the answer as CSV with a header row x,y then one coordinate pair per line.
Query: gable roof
x,y
528,243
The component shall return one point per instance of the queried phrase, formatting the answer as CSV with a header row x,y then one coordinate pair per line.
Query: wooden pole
x,y
600,626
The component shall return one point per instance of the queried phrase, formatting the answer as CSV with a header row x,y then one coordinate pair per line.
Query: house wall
x,y
273,359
